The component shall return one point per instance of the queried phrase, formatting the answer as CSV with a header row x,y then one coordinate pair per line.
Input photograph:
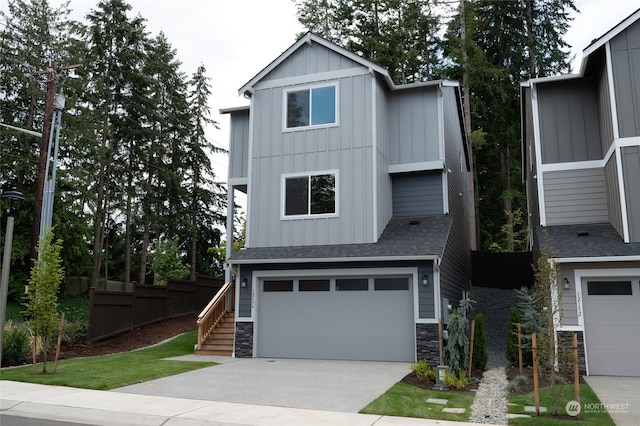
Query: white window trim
x,y
310,87
283,194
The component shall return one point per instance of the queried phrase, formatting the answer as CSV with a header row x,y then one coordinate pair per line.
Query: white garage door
x,y
612,326
351,318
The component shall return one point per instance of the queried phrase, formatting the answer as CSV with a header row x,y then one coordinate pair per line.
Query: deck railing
x,y
211,315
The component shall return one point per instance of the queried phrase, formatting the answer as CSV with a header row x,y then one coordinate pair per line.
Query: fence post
x,y
576,375
536,396
473,323
520,348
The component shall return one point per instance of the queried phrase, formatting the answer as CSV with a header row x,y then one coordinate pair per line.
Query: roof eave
x,y
333,259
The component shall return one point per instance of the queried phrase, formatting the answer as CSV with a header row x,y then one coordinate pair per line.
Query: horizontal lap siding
x,y
575,196
613,194
417,195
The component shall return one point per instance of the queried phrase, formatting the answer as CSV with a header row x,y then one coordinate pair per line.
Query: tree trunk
x,y
507,205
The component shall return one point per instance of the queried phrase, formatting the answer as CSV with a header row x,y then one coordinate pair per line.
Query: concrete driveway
x,y
343,386
620,396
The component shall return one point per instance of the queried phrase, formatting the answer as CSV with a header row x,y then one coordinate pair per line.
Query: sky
x,y
236,39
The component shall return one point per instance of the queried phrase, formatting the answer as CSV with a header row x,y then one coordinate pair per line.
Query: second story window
x,y
310,194
315,106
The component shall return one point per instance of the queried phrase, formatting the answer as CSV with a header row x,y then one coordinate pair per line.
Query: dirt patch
x,y
138,338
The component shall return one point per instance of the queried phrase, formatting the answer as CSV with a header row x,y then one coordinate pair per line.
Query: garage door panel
x,y
358,325
612,329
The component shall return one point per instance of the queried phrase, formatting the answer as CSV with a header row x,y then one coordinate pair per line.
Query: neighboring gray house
x,y
356,209
581,165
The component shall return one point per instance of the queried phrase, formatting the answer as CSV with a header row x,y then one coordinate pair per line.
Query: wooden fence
x,y
114,312
502,270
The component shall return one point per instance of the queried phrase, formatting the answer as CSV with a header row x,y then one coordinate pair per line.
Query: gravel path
x,y
490,402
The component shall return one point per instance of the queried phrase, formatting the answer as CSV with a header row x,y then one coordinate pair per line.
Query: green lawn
x,y
567,394
409,401
113,371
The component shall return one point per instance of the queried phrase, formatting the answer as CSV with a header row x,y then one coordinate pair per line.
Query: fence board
x,y
502,270
115,312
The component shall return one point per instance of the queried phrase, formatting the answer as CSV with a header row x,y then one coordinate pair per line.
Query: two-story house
x,y
581,166
357,225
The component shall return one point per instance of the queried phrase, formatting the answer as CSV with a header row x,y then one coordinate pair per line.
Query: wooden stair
x,y
220,341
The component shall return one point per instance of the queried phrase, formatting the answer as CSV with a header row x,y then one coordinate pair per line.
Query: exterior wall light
x,y
243,283
425,279
567,284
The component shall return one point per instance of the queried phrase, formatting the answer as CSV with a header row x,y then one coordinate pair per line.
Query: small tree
x,y
512,338
166,262
41,306
480,354
456,353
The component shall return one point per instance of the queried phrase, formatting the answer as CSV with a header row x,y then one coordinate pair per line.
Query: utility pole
x,y
45,141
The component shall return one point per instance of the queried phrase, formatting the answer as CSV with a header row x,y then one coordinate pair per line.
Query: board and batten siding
x,y
575,197
604,111
239,141
613,194
310,59
569,123
413,125
631,172
346,148
383,180
417,194
455,266
625,57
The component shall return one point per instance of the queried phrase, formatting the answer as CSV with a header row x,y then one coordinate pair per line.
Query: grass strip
x,y
113,371
566,392
409,401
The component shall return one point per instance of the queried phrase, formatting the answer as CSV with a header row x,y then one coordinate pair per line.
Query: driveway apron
x,y
343,386
620,396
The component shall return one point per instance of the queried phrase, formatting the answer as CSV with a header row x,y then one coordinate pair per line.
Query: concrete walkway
x,y
118,408
620,397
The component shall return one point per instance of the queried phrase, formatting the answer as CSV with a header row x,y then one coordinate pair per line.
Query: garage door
x,y
612,326
350,318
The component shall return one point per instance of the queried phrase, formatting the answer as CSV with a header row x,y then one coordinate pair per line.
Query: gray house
x,y
357,227
581,165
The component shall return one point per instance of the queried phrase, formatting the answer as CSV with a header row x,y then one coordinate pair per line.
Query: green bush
x,y
480,354
512,339
458,382
424,371
74,331
15,344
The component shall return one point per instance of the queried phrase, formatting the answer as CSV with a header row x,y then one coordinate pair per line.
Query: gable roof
x,y
310,38
405,238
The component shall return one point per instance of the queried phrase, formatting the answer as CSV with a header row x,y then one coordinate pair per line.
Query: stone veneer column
x,y
427,343
244,340
565,341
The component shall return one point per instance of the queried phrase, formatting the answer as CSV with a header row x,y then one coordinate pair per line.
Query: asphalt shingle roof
x,y
403,237
593,240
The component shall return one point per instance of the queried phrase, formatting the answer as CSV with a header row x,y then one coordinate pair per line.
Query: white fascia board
x,y
234,109
611,33
416,167
598,259
409,86
539,178
334,260
237,181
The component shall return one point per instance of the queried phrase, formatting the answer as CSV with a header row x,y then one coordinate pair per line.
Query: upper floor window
x,y
315,106
310,194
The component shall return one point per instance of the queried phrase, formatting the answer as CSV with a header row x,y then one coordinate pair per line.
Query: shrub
x,y
521,380
456,352
480,354
424,371
458,382
15,344
74,331
512,338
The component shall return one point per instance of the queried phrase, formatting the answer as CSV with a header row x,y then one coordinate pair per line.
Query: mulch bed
x,y
513,372
413,379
